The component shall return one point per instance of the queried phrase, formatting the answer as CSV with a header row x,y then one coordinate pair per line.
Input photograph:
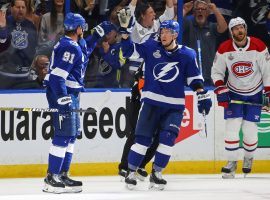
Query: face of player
x,y
18,11
239,33
148,17
168,38
201,13
80,32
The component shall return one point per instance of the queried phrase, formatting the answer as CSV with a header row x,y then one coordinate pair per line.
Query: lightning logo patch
x,y
166,72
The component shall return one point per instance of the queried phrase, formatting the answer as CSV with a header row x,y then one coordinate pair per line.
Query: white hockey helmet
x,y
236,21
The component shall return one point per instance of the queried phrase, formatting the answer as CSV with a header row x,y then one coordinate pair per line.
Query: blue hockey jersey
x,y
166,73
68,65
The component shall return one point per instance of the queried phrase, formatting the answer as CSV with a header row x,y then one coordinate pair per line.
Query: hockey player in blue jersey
x,y
64,83
168,67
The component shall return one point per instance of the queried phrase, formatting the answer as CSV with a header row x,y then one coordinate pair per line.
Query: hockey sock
x,y
57,154
150,152
68,158
232,138
164,150
137,152
68,155
250,138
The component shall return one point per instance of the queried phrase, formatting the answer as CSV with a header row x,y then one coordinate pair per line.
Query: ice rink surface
x,y
179,187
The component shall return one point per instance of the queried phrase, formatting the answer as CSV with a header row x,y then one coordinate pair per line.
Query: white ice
x,y
179,187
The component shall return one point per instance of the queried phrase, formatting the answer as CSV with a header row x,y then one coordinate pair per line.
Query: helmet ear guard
x,y
73,21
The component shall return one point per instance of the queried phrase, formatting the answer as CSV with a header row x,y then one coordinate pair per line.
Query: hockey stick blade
x,y
89,110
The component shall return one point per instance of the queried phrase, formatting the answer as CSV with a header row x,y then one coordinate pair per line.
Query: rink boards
x,y
26,136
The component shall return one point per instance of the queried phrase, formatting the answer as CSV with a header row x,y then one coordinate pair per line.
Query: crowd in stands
x,y
29,29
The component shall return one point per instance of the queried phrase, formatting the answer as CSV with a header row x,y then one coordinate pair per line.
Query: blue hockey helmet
x,y
73,21
171,25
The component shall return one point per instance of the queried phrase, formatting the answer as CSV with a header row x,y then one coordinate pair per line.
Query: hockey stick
x,y
89,110
204,121
200,67
107,96
246,103
199,54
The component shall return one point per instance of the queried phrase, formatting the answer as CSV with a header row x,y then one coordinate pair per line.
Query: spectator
x,y
201,35
18,35
255,12
105,64
39,69
37,73
42,6
146,26
51,28
226,8
30,14
81,6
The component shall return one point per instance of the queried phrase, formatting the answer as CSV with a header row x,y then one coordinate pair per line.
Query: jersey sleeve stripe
x,y
190,79
72,84
60,72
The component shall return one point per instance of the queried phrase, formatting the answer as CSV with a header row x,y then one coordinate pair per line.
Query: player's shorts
x,y
69,125
152,118
250,113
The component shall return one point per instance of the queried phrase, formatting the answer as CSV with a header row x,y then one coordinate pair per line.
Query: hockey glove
x,y
204,102
103,29
223,97
126,20
64,106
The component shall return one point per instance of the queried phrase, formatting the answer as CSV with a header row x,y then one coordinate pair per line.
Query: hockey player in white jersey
x,y
168,66
248,64
64,82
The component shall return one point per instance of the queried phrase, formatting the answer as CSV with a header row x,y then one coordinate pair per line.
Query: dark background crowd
x,y
29,29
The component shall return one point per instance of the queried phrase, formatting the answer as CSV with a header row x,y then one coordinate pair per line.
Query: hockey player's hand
x,y
126,20
204,101
104,28
223,97
64,105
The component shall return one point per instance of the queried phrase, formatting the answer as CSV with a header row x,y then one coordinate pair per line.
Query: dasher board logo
x,y
187,128
263,131
242,69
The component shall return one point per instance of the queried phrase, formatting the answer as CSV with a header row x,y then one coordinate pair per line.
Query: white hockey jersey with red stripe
x,y
248,67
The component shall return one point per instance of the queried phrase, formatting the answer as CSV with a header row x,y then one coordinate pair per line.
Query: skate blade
x,y
130,186
75,189
245,175
55,190
228,175
156,187
140,177
122,179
